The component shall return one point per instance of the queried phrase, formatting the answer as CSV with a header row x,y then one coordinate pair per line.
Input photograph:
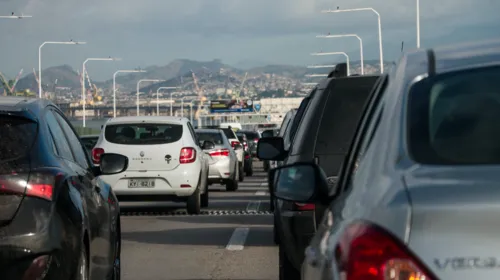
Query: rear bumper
x,y
38,233
166,183
296,229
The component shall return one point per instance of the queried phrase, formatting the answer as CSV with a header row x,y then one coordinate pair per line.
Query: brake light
x,y
305,206
188,155
234,143
220,153
247,156
368,252
39,185
256,140
96,155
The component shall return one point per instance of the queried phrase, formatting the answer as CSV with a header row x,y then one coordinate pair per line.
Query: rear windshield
x,y
241,137
143,133
252,135
214,137
454,119
17,135
89,142
229,133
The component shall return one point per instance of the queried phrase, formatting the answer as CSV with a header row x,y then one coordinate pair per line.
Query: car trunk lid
x,y
456,220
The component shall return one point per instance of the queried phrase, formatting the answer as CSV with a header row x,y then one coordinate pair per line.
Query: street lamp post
x,y
138,84
191,112
182,106
360,46
83,79
40,59
379,29
15,17
335,53
157,99
114,86
418,23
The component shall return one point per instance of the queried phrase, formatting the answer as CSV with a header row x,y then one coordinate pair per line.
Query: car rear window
x,y
214,137
89,142
454,118
143,133
17,136
252,135
229,133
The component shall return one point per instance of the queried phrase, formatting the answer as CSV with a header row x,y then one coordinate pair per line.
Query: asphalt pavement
x,y
231,239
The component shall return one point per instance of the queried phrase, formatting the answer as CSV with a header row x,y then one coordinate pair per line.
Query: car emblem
x,y
141,154
168,158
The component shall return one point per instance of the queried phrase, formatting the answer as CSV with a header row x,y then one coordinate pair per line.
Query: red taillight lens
x,y
188,155
305,206
247,156
39,185
233,143
220,153
96,155
368,252
256,140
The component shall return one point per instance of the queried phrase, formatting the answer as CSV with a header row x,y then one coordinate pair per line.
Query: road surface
x,y
231,239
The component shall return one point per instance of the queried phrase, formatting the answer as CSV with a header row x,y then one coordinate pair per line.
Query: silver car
x,y
419,194
223,162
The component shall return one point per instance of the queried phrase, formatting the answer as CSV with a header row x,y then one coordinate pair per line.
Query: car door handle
x,y
312,257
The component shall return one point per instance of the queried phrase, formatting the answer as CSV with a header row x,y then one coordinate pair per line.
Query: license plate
x,y
134,183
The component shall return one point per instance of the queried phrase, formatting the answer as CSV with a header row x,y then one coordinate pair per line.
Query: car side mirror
x,y
208,145
300,182
271,148
113,164
237,146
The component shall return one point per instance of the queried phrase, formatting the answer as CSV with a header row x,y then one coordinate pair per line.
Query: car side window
x,y
62,145
74,141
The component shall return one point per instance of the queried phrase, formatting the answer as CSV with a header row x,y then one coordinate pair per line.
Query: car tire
x,y
194,203
249,171
232,185
266,166
204,196
82,272
241,173
286,269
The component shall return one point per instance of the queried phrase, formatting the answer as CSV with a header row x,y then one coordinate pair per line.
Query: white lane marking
x,y
237,240
263,184
261,193
253,206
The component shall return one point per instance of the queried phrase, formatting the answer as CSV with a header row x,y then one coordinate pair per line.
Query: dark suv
x,y
321,132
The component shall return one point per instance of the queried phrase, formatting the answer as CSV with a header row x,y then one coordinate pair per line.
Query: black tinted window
x,y
17,136
89,143
454,119
298,116
229,133
252,135
344,106
74,141
62,145
210,136
143,133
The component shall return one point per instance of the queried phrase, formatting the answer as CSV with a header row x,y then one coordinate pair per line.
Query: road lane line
x,y
261,193
263,184
253,206
237,240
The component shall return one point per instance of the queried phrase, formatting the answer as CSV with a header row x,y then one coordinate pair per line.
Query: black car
x,y
253,138
321,132
248,166
268,133
58,220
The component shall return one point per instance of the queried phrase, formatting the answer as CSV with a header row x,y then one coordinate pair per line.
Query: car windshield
x,y
214,137
143,133
455,119
17,135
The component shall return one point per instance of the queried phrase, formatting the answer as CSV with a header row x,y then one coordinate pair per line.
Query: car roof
x,y
18,103
208,130
147,119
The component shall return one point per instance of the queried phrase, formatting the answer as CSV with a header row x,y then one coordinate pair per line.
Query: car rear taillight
x,y
247,156
96,155
188,155
220,153
256,140
305,206
367,252
39,185
234,143
245,144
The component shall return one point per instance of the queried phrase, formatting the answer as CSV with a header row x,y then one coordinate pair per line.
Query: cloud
x,y
279,31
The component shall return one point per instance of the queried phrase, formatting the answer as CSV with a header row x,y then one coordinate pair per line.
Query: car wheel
x,y
118,248
241,173
266,166
249,172
232,185
286,270
204,196
82,272
194,202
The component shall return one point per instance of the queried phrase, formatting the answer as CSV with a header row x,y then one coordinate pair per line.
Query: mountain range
x,y
172,74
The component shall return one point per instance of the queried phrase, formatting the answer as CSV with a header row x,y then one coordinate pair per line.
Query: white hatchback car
x,y
166,162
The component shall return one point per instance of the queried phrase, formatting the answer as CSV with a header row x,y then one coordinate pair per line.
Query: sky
x,y
242,33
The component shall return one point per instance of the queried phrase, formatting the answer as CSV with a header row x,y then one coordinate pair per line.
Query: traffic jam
x,y
391,176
